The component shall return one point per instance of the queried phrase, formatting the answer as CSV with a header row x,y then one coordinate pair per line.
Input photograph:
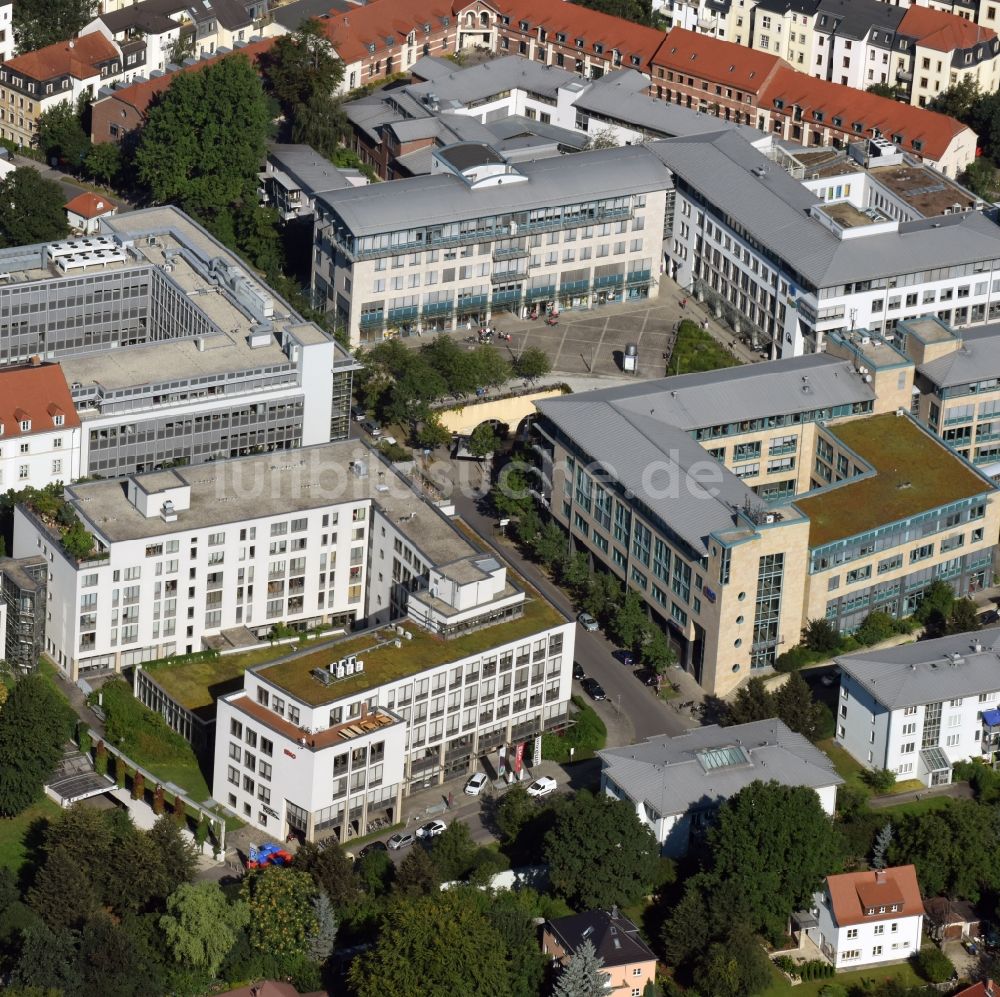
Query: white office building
x,y
919,708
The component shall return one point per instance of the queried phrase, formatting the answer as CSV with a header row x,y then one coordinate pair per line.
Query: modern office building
x,y
23,604
744,502
677,784
294,174
173,353
479,236
919,708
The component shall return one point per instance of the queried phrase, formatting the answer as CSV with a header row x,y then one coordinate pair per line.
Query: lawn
x,y
13,831
904,972
851,770
696,350
918,806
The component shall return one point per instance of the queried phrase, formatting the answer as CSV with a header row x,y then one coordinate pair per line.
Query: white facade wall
x,y
39,459
6,31
867,944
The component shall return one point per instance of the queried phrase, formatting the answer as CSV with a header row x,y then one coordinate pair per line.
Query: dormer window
x,y
25,425
869,911
635,60
837,122
917,144
60,420
598,48
523,25
818,115
560,37
579,42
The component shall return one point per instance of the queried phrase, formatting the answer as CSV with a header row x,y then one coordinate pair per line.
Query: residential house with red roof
x,y
39,427
117,112
36,81
869,918
85,211
710,75
985,988
947,50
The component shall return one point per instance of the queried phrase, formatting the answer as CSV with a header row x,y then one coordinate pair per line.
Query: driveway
x,y
70,185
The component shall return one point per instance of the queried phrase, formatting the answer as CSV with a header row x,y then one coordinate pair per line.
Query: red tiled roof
x,y
717,61
941,31
985,989
38,395
932,130
140,95
352,32
851,893
574,21
80,58
88,205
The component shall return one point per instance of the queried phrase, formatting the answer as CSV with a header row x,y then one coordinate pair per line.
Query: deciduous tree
x,y
31,209
61,135
484,441
103,161
38,23
453,852
282,918
201,925
532,363
416,875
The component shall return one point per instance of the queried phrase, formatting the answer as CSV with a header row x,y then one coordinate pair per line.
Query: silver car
x,y
402,840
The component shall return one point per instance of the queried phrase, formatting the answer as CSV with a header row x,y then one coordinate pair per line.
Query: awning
x,y
935,760
991,718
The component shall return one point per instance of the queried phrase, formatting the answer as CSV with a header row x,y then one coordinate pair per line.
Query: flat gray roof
x,y
977,359
461,86
702,768
308,168
276,484
429,200
774,209
925,672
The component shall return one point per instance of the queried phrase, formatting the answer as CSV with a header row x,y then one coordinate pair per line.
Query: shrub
x,y
933,965
83,738
120,770
785,963
101,759
821,635
138,786
586,736
396,453
158,801
875,628
880,780
795,658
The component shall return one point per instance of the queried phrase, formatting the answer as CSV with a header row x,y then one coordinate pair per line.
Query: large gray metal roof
x,y
311,171
668,774
629,430
430,200
977,359
929,671
855,18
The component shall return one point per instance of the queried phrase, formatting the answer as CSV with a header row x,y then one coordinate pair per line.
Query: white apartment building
x,y
789,261
869,918
480,236
919,708
39,428
677,784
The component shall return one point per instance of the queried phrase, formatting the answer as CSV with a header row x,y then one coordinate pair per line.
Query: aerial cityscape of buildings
x,y
712,556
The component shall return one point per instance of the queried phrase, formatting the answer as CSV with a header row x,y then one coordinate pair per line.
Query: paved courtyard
x,y
592,341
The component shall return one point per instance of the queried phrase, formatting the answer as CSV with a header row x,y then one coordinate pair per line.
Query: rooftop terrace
x,y
913,474
925,190
388,663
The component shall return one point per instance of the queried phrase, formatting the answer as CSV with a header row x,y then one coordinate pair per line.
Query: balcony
x,y
535,293
638,277
502,297
904,75
439,308
407,314
370,319
511,253
471,302
572,286
608,280
507,276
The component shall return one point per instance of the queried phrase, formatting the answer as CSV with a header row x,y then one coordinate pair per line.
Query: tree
x,y
604,594
64,894
201,926
103,161
301,67
432,434
884,90
31,209
631,622
177,857
772,846
752,702
880,780
435,946
320,124
639,11
882,842
794,704
203,140
513,811
321,942
453,852
117,960
375,872
658,653
332,871
550,544
876,627
939,596
38,23
959,100
737,965
61,135
599,853
582,975
282,917
34,725
606,138
982,178
532,364
964,617
933,965
483,442
48,960
416,875
821,635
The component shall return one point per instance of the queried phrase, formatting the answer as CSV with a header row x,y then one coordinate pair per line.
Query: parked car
x,y
593,688
372,427
375,846
649,677
402,840
627,658
431,829
358,412
542,787
476,784
990,618
587,622
389,441
578,671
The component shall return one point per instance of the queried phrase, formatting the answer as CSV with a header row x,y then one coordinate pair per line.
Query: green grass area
x,y
197,684
423,651
13,831
696,350
904,972
913,473
917,806
586,736
852,771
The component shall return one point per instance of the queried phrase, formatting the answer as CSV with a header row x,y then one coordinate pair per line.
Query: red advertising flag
x,y
519,757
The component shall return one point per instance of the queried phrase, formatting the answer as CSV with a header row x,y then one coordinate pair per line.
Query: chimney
x,y
35,361
880,876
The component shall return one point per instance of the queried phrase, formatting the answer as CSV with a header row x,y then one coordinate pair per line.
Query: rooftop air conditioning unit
x,y
359,666
397,643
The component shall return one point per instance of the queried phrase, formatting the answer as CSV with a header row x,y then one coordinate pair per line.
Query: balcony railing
x,y
638,277
507,276
439,308
608,280
534,293
369,319
568,287
511,253
502,297
406,314
471,302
